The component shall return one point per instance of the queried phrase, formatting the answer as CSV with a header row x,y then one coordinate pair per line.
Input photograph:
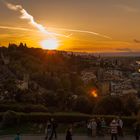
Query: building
x,y
23,84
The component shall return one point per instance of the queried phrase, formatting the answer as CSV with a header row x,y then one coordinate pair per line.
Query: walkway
x,y
62,137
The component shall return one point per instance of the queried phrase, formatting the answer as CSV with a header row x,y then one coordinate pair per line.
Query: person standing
x,y
114,129
69,133
120,127
54,127
89,129
103,126
137,130
93,127
98,126
17,137
48,130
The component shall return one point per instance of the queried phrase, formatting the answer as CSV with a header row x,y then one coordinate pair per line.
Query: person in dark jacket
x,y
48,130
17,136
137,130
69,133
54,127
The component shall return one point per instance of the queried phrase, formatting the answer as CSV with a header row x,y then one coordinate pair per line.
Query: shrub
x,y
9,118
70,117
59,117
23,108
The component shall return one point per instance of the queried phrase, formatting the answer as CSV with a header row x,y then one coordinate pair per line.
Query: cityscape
x,y
69,69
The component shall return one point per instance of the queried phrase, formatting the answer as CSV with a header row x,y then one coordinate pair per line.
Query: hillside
x,y
60,81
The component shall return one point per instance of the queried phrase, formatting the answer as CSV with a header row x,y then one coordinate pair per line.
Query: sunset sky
x,y
82,25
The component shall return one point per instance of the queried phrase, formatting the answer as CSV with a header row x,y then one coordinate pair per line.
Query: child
x,y
17,136
69,134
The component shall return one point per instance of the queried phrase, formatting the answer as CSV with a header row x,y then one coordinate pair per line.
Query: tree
x,y
82,104
50,98
66,83
130,105
109,105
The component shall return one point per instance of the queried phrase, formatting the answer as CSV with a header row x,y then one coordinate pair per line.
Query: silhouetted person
x,y
120,127
98,126
89,128
54,126
17,137
69,133
48,130
137,130
103,126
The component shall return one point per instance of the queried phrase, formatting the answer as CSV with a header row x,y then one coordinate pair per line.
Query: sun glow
x,y
50,44
94,94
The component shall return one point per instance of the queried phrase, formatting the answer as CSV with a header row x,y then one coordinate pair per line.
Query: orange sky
x,y
119,20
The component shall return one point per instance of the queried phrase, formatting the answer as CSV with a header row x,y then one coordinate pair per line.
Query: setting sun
x,y
50,44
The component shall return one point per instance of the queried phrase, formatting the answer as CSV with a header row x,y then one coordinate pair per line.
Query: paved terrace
x,y
62,137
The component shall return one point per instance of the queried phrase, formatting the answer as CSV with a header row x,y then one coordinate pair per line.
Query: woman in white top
x,y
93,127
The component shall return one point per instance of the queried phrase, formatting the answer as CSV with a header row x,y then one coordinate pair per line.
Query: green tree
x,y
109,105
130,105
82,104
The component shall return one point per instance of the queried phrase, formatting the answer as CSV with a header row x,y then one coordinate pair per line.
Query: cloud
x,y
16,28
124,49
82,31
136,41
30,18
127,8
14,7
41,28
26,15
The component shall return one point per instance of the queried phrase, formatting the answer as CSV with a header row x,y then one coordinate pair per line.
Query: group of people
x,y
99,127
95,127
115,128
50,129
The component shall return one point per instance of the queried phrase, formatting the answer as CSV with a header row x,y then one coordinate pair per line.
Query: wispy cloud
x,y
41,28
124,49
136,41
16,28
30,18
82,31
127,8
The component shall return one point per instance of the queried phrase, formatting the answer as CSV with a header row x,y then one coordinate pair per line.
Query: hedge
x,y
23,108
59,117
62,117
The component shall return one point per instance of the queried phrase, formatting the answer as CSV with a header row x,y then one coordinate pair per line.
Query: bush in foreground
x,y
12,118
22,108
9,118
